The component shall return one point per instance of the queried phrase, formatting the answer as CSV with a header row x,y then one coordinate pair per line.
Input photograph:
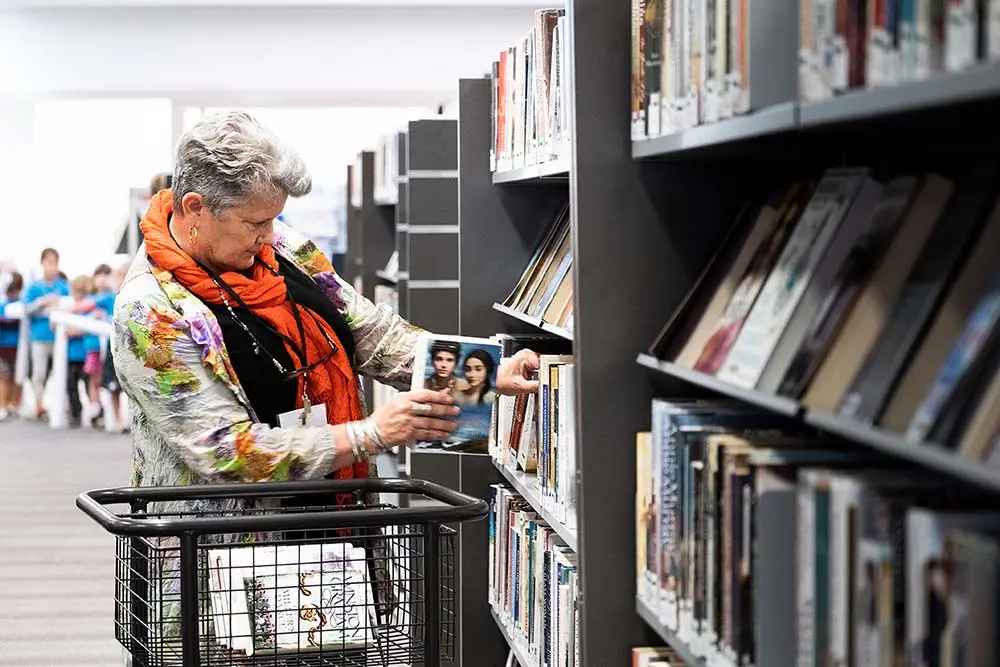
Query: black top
x,y
269,393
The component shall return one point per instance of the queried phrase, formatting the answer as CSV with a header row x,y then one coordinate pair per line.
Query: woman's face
x,y
475,372
230,241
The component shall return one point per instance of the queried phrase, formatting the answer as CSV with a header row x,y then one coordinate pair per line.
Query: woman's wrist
x,y
365,438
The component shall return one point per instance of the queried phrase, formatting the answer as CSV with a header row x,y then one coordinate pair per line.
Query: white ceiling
x,y
74,4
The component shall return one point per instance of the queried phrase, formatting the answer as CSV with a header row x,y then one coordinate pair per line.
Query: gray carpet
x,y
56,565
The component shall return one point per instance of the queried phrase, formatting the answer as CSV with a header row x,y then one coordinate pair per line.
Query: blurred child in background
x,y
76,354
41,297
109,379
103,298
10,392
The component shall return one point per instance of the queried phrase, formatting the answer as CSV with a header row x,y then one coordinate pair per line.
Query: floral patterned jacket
x,y
191,418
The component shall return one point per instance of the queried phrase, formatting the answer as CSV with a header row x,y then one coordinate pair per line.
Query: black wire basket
x,y
287,575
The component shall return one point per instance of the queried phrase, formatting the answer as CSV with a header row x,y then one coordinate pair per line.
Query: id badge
x,y
315,417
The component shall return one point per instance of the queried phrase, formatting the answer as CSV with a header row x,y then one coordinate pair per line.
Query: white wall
x,y
367,56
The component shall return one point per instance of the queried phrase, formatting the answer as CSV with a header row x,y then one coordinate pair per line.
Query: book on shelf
x,y
533,582
545,289
690,64
874,43
514,429
468,366
767,527
291,598
865,296
529,117
656,656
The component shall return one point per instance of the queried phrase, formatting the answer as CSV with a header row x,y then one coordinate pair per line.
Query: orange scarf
x,y
332,382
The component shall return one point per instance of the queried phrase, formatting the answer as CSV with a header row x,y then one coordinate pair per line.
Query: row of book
x,y
536,434
545,289
690,63
529,113
875,298
747,527
533,582
847,45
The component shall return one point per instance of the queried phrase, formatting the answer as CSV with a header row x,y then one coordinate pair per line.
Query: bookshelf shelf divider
x,y
777,404
519,654
527,485
668,636
555,171
533,321
773,120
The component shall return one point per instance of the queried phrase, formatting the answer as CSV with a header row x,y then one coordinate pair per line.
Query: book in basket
x,y
291,597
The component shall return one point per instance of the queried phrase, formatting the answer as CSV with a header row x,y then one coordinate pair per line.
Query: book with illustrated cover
x,y
467,366
244,587
309,610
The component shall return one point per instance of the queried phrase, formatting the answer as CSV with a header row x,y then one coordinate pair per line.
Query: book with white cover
x,y
791,275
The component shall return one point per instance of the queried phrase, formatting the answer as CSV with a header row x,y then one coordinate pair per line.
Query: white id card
x,y
315,417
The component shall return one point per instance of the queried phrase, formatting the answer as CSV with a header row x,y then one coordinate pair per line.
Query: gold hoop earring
x,y
193,236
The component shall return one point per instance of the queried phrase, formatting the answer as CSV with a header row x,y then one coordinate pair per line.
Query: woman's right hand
x,y
402,421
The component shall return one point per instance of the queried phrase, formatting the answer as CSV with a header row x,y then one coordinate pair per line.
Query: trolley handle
x,y
457,507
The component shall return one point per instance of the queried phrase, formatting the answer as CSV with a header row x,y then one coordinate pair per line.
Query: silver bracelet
x,y
365,438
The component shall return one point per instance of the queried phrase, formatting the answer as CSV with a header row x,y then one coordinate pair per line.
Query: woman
x,y
478,368
239,346
233,336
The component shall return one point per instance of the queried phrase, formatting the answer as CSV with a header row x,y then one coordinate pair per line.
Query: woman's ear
x,y
193,205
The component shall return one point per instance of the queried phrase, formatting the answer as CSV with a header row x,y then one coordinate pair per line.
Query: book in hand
x,y
467,366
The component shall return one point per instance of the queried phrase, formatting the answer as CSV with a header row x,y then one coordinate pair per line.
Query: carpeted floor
x,y
56,565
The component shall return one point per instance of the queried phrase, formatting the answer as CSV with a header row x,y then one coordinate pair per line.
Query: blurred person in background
x,y
10,391
42,296
76,354
109,379
93,366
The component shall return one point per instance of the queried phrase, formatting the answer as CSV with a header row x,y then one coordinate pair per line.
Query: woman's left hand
x,y
514,375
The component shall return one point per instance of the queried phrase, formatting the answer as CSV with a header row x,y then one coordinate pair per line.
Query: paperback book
x,y
467,366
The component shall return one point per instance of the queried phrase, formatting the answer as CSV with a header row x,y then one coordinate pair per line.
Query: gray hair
x,y
229,158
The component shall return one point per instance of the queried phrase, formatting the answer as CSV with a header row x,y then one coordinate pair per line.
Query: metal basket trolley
x,y
291,574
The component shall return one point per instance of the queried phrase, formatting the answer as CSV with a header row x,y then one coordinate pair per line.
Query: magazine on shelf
x,y
468,366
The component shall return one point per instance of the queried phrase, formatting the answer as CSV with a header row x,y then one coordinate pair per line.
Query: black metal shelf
x,y
527,485
928,455
773,120
533,321
778,404
977,83
556,171
668,636
942,90
522,659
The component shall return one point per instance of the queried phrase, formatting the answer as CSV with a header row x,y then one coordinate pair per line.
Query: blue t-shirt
x,y
106,302
41,331
9,331
76,349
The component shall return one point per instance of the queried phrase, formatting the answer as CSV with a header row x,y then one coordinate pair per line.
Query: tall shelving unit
x,y
646,217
